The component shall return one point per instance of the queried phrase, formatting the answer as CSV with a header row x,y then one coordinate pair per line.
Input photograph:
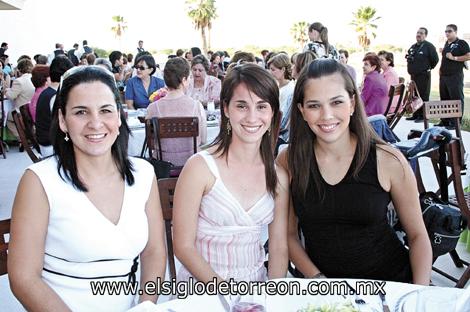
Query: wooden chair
x,y
166,188
407,99
2,121
451,155
175,127
396,90
4,229
29,126
27,143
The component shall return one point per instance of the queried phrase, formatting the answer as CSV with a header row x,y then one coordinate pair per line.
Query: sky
x,y
164,24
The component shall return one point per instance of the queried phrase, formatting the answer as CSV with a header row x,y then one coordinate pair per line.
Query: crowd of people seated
x,y
332,182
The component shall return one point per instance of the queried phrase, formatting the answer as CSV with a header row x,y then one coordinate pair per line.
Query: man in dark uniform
x,y
454,55
422,58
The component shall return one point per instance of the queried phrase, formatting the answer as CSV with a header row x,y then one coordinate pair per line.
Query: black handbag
x,y
443,222
161,167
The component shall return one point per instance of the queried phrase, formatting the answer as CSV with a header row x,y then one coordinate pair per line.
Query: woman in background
x,y
177,104
374,92
203,87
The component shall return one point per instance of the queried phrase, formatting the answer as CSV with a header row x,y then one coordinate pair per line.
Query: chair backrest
x,y
451,109
396,90
166,189
4,229
29,125
177,127
17,118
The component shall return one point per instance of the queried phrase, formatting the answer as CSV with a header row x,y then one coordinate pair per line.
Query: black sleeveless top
x,y
347,234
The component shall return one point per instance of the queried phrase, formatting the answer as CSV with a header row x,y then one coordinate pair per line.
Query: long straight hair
x,y
302,162
64,150
323,34
262,83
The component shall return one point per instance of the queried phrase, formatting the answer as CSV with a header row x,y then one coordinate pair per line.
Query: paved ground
x,y
12,168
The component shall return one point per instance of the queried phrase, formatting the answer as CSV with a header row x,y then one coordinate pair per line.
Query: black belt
x,y
131,274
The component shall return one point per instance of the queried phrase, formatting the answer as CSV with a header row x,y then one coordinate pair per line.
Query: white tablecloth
x,y
399,297
136,140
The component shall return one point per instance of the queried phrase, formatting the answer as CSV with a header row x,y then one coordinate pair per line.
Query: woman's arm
x,y
202,123
278,251
395,175
297,252
129,94
153,257
30,217
192,183
130,104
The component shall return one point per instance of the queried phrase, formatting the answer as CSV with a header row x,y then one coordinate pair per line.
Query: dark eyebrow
x,y
244,102
85,107
332,99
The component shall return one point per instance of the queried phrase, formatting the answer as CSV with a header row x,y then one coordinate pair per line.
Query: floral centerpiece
x,y
158,94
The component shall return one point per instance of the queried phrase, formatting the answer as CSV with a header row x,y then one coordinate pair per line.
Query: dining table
x,y
137,135
357,295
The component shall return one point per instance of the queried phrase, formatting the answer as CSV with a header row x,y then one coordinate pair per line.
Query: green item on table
x,y
330,307
465,238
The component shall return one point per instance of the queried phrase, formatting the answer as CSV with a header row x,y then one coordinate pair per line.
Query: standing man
x,y
3,48
140,47
422,58
454,55
86,48
73,54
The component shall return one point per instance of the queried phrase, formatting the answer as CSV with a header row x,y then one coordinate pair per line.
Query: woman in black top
x,y
342,179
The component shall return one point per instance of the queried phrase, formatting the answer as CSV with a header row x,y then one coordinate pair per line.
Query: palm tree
x,y
363,22
202,12
120,26
299,32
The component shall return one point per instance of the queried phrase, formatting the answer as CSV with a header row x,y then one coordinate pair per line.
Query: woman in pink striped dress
x,y
227,194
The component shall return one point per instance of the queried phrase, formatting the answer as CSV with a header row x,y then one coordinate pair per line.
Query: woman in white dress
x,y
87,214
229,194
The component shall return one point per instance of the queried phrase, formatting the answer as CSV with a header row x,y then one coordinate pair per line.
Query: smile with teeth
x,y
95,136
329,127
251,129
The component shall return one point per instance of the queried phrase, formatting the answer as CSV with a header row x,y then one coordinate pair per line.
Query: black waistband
x,y
131,274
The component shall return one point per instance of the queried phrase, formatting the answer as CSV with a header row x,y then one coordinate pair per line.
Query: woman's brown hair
x,y
302,162
262,83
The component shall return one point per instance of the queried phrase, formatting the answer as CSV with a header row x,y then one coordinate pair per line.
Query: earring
x,y
66,137
229,127
351,113
269,130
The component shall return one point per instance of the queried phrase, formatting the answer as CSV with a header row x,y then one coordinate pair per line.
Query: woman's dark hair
x,y
195,51
301,153
25,66
90,58
262,83
373,60
323,34
115,56
214,55
39,75
388,56
148,59
59,66
200,59
64,150
175,70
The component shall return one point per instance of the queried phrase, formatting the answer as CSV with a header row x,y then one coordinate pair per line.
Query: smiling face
x,y
91,120
327,108
249,115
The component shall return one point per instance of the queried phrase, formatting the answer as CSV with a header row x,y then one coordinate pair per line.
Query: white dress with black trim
x,y
83,246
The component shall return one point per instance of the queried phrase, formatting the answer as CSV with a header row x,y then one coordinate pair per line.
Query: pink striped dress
x,y
228,236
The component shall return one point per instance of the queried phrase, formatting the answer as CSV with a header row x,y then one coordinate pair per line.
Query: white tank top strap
x,y
210,163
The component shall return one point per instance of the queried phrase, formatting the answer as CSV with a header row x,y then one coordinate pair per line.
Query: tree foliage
x,y
202,13
364,24
299,32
